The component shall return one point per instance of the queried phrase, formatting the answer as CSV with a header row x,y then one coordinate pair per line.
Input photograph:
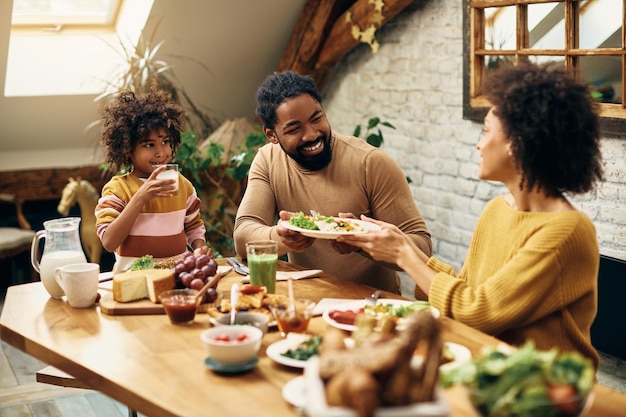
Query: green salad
x,y
145,262
299,219
305,350
525,382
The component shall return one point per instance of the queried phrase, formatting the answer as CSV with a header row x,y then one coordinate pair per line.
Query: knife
x,y
238,266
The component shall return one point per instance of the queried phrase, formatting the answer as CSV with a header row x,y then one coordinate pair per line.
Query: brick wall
x,y
415,83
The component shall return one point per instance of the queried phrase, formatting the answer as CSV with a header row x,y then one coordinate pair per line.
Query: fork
x,y
372,299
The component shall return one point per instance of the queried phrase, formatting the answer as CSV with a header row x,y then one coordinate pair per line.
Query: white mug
x,y
79,282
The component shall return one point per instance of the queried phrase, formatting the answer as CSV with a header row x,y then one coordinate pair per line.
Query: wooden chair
x,y
15,240
54,376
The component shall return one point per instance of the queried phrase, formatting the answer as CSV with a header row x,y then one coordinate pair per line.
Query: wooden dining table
x,y
158,369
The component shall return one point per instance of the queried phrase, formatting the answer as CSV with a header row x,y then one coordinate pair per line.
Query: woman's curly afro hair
x,y
130,118
553,124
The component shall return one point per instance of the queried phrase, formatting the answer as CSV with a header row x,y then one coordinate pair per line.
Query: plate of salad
x,y
327,227
294,350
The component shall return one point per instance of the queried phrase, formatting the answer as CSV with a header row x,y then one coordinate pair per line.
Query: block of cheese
x,y
144,283
130,286
158,281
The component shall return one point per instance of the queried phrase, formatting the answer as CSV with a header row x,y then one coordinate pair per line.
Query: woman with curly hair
x,y
139,214
531,272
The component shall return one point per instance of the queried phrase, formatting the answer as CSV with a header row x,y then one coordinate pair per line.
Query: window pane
x,y
500,28
600,24
58,12
494,61
541,59
604,73
546,26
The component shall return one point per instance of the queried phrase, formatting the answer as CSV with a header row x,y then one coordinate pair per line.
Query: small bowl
x,y
259,320
232,351
180,305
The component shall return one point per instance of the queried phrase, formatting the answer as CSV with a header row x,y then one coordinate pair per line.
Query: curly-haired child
x,y
139,214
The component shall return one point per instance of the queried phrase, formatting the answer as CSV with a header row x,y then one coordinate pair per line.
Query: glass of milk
x,y
169,173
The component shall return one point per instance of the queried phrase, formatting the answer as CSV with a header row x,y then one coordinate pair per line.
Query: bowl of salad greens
x,y
525,382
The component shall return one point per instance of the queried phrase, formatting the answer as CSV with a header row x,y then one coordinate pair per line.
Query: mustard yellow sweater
x,y
528,275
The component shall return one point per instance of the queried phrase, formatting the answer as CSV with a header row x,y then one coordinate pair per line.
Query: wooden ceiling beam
x,y
323,34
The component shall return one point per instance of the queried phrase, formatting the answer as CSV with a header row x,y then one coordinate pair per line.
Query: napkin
x,y
284,275
330,303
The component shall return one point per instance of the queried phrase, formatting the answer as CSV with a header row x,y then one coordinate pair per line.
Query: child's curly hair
x,y
130,118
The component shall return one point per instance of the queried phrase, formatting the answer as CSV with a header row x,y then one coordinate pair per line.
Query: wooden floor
x,y
21,395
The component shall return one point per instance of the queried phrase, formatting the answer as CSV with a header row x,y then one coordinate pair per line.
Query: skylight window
x,y
69,47
64,12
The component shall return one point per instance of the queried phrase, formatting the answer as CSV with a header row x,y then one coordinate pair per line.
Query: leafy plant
x,y
220,186
142,67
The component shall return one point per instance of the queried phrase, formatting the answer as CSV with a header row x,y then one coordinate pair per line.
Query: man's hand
x,y
294,240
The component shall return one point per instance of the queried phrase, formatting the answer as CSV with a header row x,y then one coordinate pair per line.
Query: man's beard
x,y
315,162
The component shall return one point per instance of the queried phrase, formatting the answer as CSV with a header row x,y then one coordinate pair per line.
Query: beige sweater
x,y
361,179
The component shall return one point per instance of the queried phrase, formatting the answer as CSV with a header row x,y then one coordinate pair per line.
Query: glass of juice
x,y
294,319
262,260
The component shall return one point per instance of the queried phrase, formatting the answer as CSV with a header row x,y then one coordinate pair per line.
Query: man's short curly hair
x,y
553,124
129,119
278,87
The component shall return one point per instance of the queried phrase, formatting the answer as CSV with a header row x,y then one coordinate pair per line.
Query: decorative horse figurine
x,y
82,192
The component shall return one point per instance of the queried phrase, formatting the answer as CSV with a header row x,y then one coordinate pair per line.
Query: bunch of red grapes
x,y
194,269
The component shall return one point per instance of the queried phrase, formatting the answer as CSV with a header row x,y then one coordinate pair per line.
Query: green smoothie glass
x,y
262,261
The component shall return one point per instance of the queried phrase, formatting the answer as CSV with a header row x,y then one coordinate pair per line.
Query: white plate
x,y
332,235
275,350
360,304
460,354
294,392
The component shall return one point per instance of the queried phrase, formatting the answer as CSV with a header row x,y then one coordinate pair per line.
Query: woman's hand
x,y
386,245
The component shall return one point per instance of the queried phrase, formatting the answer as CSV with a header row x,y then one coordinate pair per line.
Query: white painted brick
x,y
415,82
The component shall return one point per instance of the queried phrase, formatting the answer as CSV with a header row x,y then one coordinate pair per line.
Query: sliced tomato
x,y
565,398
222,337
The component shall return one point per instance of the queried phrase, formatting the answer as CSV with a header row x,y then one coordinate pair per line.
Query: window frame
x,y
475,106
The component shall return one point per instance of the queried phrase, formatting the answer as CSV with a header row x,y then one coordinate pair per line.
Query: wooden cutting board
x,y
114,308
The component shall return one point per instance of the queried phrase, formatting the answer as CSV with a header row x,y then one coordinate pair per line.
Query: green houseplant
x,y
220,185
141,67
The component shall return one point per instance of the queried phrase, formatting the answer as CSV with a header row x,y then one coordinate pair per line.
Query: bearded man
x,y
306,166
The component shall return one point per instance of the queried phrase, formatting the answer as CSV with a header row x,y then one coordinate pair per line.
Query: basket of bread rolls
x,y
374,375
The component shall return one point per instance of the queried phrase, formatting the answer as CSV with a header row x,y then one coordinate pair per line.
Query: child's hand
x,y
157,188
